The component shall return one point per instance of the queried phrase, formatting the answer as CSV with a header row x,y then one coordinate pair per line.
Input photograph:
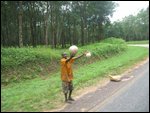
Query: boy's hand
x,y
85,52
72,55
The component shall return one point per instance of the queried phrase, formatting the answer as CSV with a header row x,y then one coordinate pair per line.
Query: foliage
x,y
27,63
138,42
113,40
13,57
132,27
55,23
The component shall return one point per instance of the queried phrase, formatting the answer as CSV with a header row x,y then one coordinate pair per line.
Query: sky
x,y
126,8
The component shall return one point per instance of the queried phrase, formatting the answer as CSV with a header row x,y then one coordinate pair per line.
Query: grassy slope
x,y
39,94
20,64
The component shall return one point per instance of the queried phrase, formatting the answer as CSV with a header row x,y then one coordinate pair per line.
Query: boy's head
x,y
64,55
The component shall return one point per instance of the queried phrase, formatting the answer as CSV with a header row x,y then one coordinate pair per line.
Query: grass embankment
x,y
20,64
138,42
43,95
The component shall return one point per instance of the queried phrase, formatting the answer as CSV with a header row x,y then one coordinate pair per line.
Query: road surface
x,y
141,45
133,97
129,95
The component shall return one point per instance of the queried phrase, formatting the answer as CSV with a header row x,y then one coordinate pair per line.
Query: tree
x,y
20,24
53,22
131,27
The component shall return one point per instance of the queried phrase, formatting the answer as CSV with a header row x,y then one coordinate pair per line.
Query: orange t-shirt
x,y
66,69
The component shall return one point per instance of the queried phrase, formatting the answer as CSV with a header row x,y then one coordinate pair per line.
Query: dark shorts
x,y
66,86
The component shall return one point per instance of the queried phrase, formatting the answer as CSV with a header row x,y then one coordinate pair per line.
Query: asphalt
x,y
133,97
129,95
141,45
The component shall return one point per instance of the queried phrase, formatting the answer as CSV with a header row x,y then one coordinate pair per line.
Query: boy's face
x,y
64,55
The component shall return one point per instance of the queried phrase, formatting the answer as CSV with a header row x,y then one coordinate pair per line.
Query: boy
x,y
67,75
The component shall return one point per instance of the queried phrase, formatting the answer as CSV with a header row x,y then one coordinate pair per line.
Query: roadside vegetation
x,y
38,94
19,64
138,42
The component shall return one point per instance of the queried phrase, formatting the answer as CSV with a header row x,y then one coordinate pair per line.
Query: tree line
x,y
55,23
132,27
63,23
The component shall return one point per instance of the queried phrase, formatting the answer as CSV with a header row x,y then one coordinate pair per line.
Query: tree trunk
x,y
33,26
74,32
62,39
82,32
100,36
46,24
20,24
32,33
52,24
46,34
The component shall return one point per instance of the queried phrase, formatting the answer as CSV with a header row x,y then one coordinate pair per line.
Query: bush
x,y
28,63
113,40
107,47
106,50
14,57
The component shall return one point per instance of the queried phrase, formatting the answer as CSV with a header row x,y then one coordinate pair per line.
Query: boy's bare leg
x,y
70,98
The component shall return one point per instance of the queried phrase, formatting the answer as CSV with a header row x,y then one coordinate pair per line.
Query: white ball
x,y
88,54
73,49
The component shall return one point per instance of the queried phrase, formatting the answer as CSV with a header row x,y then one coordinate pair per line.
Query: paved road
x,y
129,95
141,45
133,97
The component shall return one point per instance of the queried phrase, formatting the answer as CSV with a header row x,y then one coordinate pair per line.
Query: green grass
x,y
14,57
43,95
18,64
113,40
138,42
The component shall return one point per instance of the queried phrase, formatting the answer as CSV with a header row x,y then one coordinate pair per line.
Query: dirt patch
x,y
81,92
77,94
